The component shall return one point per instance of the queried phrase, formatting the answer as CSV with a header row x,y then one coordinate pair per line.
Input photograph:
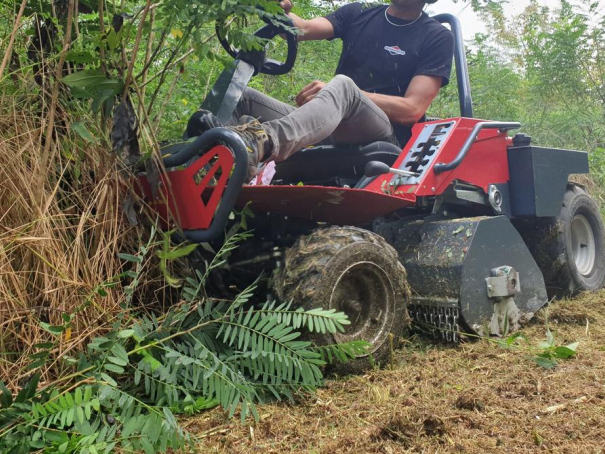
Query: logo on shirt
x,y
394,50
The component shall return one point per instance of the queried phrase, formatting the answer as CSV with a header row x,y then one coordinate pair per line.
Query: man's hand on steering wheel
x,y
309,92
286,5
275,26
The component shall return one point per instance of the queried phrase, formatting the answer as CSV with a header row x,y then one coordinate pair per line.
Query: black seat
x,y
333,165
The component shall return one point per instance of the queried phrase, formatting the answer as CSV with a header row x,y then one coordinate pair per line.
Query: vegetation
x,y
472,399
201,353
98,349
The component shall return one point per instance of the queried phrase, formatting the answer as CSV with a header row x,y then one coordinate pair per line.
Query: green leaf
x,y
126,333
117,361
177,253
79,128
52,329
89,83
550,338
114,39
546,363
29,390
565,352
104,97
78,396
147,446
37,444
131,258
69,400
79,415
83,79
6,398
108,379
81,56
44,345
114,368
120,353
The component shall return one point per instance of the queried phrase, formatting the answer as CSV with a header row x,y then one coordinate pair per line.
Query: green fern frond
x,y
204,372
315,320
342,352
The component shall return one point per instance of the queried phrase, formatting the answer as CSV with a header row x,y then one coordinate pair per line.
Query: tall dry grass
x,y
61,228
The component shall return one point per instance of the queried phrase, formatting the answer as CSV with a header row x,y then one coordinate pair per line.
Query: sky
x,y
471,24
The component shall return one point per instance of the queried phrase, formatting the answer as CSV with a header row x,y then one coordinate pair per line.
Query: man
x,y
395,58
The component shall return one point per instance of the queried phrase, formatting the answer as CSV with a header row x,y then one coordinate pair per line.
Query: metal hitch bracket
x,y
502,286
503,283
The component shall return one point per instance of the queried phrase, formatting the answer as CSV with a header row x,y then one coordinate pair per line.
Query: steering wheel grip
x,y
273,28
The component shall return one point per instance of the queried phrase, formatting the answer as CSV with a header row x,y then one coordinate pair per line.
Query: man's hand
x,y
286,5
309,92
318,28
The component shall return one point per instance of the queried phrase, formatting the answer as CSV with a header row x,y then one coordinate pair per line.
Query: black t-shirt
x,y
383,58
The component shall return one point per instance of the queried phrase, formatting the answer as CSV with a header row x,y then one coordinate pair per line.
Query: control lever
x,y
377,168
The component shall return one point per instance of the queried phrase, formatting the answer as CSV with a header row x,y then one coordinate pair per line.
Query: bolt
x,y
433,189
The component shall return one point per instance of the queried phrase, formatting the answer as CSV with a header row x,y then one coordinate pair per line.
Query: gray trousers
x,y
339,113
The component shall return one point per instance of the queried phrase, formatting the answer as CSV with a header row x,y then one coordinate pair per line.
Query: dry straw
x,y
58,240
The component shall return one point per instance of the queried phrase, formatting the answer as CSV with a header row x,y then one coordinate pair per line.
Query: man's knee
x,y
344,88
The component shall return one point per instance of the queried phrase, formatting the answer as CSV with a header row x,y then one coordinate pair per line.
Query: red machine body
x,y
488,153
192,194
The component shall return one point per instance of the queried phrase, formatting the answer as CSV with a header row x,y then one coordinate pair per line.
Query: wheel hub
x,y
364,292
583,245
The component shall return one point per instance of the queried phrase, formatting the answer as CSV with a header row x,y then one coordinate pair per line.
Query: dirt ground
x,y
473,398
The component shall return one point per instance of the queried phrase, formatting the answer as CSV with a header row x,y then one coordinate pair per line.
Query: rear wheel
x,y
353,271
570,249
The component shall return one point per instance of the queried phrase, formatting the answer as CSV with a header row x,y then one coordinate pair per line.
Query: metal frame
x,y
234,184
464,82
502,126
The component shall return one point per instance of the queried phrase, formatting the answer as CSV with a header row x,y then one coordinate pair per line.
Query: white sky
x,y
471,24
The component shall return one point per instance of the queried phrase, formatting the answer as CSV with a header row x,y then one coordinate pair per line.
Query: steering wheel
x,y
275,26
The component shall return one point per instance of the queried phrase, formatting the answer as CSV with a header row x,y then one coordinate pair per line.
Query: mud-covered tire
x,y
354,271
570,248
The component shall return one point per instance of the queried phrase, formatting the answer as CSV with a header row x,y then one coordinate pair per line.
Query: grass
x,y
60,231
474,398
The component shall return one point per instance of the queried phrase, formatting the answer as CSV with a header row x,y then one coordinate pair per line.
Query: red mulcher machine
x,y
483,228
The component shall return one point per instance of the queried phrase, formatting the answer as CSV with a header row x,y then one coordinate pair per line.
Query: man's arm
x,y
406,111
409,109
312,29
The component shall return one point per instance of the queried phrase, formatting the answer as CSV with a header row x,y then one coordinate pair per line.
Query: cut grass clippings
x,y
473,398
